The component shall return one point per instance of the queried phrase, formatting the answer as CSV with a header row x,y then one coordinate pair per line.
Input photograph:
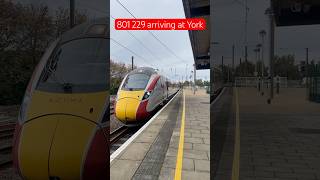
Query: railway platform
x,y
174,143
257,140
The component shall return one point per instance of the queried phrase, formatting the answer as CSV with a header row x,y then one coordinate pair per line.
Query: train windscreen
x,y
76,66
135,82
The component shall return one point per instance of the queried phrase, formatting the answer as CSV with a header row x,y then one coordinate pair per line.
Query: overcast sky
x,y
159,57
229,28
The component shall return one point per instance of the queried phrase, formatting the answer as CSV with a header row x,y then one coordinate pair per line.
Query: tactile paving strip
x,y
151,165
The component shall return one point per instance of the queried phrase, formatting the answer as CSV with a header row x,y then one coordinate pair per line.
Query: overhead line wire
x,y
153,35
117,42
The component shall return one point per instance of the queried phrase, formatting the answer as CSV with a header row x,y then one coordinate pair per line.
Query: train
x,y
141,92
63,125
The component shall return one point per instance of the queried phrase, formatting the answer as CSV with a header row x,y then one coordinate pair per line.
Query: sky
x,y
229,28
157,56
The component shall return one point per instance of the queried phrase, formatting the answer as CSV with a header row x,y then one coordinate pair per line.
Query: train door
x,y
158,93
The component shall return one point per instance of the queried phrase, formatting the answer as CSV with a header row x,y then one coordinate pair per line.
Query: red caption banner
x,y
160,24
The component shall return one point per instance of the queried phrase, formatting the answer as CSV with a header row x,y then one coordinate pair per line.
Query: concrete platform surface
x,y
276,141
153,154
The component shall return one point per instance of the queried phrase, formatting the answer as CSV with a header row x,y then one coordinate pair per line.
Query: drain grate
x,y
305,130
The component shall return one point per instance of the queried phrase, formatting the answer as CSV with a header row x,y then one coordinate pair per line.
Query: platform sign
x,y
202,63
296,12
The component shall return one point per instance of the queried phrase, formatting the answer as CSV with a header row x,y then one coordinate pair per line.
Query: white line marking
x,y
124,145
218,97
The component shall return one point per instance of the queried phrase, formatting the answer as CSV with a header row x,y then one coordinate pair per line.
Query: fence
x,y
254,81
314,91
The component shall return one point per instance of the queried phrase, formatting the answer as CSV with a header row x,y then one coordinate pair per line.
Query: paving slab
x,y
277,141
143,158
153,154
196,159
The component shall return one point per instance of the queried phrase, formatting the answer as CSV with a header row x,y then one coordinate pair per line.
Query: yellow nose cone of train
x,y
55,146
127,105
34,149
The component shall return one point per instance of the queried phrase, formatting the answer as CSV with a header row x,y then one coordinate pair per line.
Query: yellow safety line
x,y
236,153
181,142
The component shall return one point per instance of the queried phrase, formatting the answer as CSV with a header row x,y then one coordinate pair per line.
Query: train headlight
x,y
146,95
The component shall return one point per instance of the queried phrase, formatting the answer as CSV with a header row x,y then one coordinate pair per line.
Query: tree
x,y
284,66
25,33
245,69
186,83
199,82
117,72
62,20
206,83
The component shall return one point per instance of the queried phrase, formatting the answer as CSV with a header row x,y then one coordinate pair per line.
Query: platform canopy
x,y
296,12
200,40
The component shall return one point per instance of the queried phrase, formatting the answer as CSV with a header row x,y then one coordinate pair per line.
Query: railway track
x,y
116,134
120,136
7,125
123,133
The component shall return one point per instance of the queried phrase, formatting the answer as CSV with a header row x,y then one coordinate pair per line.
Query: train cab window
x,y
136,82
76,66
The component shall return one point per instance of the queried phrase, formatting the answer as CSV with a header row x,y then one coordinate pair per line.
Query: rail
x,y
117,134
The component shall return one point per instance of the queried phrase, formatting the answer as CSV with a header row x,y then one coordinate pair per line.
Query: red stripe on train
x,y
142,112
97,161
153,83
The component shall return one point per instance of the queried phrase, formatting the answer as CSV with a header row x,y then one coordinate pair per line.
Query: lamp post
x,y
262,34
72,13
270,13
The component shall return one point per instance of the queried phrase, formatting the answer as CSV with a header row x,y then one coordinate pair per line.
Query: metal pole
x,y
72,4
233,70
246,60
186,72
256,61
175,73
132,62
262,61
240,68
271,16
228,68
260,76
194,76
262,56
262,35
307,72
222,68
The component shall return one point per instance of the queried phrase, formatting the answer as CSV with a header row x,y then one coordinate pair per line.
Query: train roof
x,y
146,70
94,28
